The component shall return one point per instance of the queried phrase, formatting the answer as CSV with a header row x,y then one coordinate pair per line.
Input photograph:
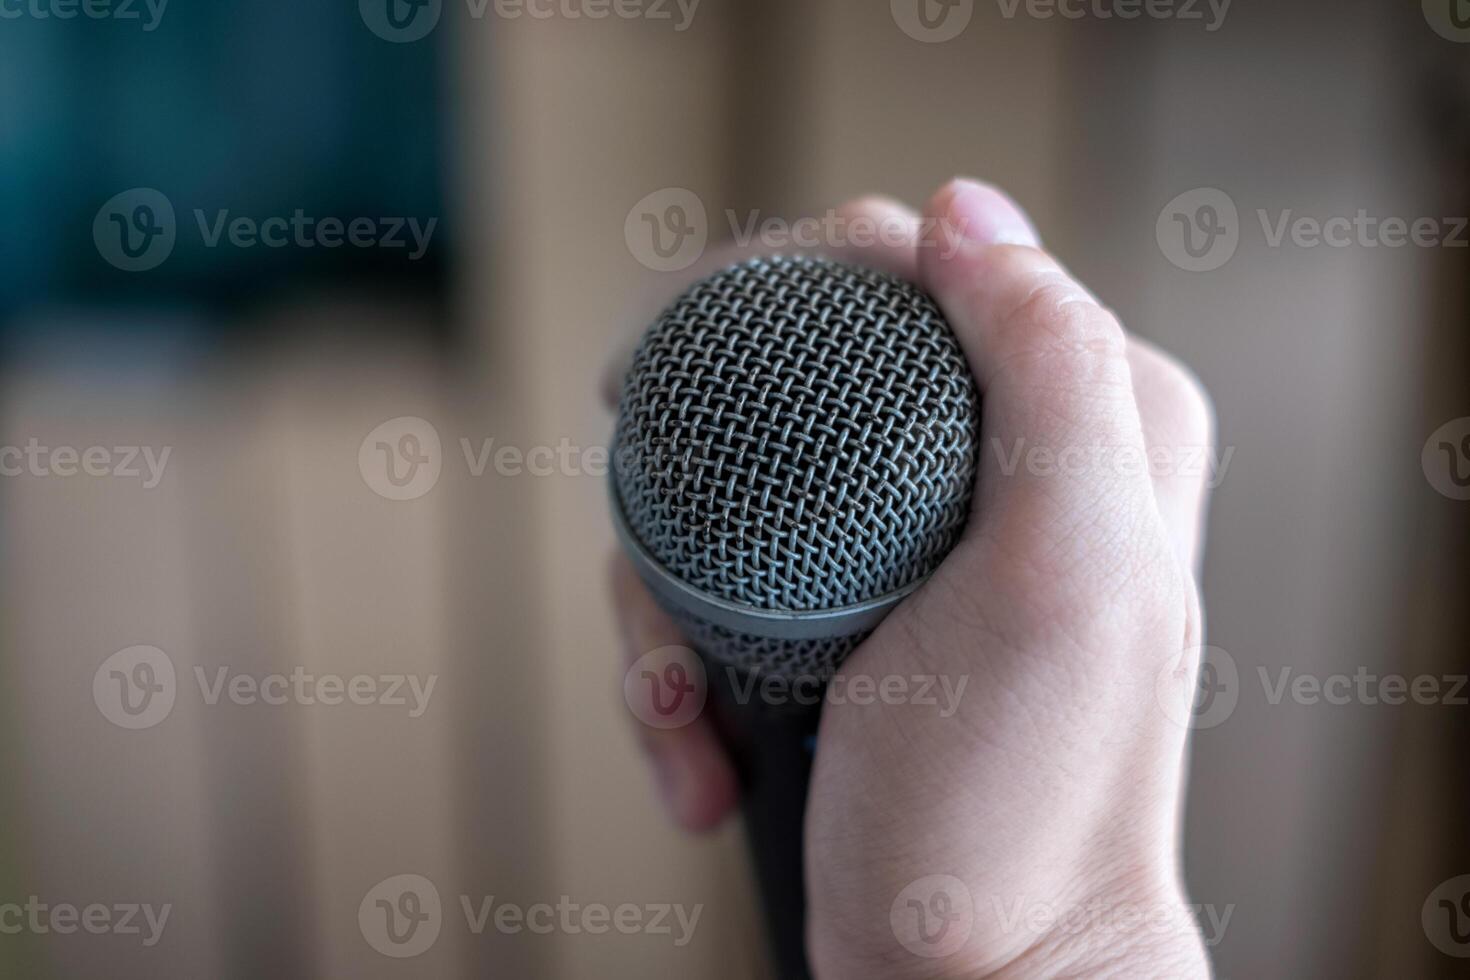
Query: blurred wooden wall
x,y
569,123
1428,800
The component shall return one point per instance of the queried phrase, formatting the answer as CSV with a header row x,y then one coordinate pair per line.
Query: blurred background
x,y
279,281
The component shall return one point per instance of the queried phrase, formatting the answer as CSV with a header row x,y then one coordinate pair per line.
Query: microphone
x,y
795,453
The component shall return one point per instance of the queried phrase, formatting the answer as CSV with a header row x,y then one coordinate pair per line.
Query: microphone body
x,y
795,453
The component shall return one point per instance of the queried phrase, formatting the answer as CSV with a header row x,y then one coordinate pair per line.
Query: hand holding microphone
x,y
1067,607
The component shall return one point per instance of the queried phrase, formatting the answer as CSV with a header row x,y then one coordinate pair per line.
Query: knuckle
x,y
1050,306
1059,312
1059,336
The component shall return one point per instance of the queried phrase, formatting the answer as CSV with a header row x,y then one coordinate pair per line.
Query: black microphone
x,y
795,453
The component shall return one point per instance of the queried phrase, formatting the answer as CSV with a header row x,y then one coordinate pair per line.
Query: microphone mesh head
x,y
798,435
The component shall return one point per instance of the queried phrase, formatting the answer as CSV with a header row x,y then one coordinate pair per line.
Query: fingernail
x,y
976,212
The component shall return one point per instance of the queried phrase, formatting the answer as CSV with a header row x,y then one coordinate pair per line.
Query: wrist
x,y
1139,937
1131,930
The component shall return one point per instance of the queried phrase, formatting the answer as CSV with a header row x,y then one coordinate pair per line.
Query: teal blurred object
x,y
259,110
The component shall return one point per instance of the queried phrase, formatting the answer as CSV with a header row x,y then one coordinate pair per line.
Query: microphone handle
x,y
772,748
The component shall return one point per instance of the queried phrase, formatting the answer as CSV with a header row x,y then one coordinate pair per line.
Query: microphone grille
x,y
796,434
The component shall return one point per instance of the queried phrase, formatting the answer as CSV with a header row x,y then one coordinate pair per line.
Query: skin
x,y
1072,608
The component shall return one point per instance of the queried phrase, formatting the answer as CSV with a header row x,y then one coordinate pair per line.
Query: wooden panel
x,y
582,120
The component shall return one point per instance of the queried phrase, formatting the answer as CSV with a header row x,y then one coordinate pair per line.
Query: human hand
x,y
1070,610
